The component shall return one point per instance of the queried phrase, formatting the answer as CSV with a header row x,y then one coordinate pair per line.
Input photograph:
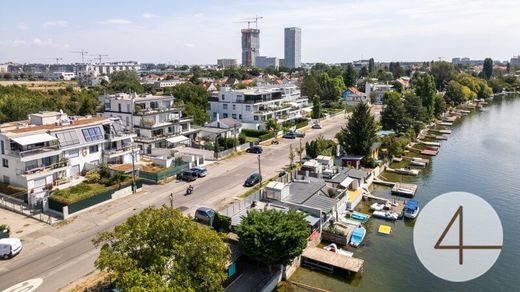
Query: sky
x,y
200,32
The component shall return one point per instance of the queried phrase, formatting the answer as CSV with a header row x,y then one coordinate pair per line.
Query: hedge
x,y
254,133
267,136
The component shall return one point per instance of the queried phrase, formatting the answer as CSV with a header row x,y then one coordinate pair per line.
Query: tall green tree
x,y
371,66
195,99
457,93
442,72
331,88
316,107
393,116
425,89
319,146
349,76
163,250
487,70
440,105
359,133
310,86
273,237
363,72
414,108
125,81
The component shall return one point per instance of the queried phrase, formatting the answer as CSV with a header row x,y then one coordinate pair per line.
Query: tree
x,y
319,146
349,76
440,105
310,86
396,69
272,125
363,72
331,88
488,68
397,86
371,66
425,89
455,93
195,98
291,156
316,107
125,81
414,108
394,115
273,237
442,72
163,250
359,134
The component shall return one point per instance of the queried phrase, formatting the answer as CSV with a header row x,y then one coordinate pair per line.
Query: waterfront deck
x,y
429,152
398,186
327,261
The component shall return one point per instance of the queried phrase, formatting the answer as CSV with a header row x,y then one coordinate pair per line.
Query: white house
x,y
377,89
254,106
51,148
157,120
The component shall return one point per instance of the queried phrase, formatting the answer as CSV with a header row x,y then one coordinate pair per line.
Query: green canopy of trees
x,y
125,81
425,89
195,99
320,146
442,72
359,133
273,237
487,70
163,250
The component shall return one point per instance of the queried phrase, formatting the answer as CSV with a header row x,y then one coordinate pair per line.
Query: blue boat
x,y
357,236
411,209
359,216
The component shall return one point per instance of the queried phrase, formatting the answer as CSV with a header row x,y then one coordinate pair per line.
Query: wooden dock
x,y
317,258
398,186
429,152
383,182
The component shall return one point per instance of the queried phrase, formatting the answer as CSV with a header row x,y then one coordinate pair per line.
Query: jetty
x,y
436,144
330,262
430,152
392,205
404,171
404,189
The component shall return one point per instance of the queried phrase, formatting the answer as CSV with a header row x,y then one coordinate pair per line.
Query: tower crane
x,y
250,20
83,54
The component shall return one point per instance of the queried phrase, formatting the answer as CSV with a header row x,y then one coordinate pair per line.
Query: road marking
x,y
26,286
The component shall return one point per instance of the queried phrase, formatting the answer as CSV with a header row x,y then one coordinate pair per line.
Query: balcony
x,y
120,136
155,138
35,151
111,153
153,111
44,169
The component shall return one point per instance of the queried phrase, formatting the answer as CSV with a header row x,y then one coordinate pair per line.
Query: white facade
x,y
87,71
61,76
51,149
224,63
254,106
157,120
264,62
377,89
168,83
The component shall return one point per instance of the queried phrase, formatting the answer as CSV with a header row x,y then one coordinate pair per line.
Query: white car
x,y
9,247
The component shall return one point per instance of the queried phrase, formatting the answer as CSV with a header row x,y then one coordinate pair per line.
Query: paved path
x,y
62,253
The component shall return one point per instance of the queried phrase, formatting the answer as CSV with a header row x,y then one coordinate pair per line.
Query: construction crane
x,y
99,57
249,21
57,59
83,53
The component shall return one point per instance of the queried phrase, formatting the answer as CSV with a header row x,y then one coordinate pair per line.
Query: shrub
x,y
254,133
222,223
93,176
267,136
242,138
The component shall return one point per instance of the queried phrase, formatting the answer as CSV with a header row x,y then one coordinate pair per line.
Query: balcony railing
x,y
119,150
44,168
46,149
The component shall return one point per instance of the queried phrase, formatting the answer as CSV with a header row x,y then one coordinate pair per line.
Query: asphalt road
x,y
63,254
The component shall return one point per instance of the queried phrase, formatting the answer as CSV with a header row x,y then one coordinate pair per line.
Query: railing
x,y
30,152
44,168
155,138
120,150
145,112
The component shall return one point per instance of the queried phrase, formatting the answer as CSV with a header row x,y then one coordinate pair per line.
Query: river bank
x,y
480,156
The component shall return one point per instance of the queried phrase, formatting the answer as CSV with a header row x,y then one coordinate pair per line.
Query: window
x,y
73,153
248,108
5,162
67,138
223,96
234,107
224,106
214,115
255,118
119,107
234,116
93,149
92,134
240,116
225,115
2,146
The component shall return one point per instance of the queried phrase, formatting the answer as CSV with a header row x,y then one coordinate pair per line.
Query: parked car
x,y
290,135
187,175
252,180
200,170
255,149
316,126
300,134
9,247
282,173
205,216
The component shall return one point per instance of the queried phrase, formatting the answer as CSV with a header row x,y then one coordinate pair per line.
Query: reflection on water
x,y
481,156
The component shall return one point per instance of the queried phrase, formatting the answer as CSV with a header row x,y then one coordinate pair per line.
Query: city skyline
x,y
188,33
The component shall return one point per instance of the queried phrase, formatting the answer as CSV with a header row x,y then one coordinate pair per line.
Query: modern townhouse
x,y
51,149
254,106
158,121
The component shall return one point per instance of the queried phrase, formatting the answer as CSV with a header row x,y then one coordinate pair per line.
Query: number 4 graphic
x,y
461,247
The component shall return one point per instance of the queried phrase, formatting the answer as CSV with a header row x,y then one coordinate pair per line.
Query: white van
x,y
9,247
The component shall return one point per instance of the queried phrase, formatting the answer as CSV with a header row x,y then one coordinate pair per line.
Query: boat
x,y
407,171
360,216
388,215
357,236
418,163
377,206
397,159
334,248
404,191
385,229
435,144
411,209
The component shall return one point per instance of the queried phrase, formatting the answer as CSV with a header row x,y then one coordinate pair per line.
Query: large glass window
x,y
67,138
93,149
92,134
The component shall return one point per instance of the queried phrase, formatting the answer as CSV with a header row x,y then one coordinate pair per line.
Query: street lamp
x,y
259,170
171,200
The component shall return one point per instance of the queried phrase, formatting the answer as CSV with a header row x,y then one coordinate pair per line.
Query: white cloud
x,y
149,15
116,21
189,45
23,26
12,43
35,42
56,23
198,14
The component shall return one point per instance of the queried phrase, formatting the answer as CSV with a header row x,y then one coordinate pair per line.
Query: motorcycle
x,y
275,142
189,191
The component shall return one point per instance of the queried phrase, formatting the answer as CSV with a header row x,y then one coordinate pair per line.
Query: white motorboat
x,y
334,248
388,215
418,163
377,207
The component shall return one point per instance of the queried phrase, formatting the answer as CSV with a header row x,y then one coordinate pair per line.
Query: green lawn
x,y
9,190
81,191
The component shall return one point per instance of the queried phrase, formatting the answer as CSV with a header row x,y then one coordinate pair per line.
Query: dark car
x,y
300,134
252,180
290,135
200,170
255,149
187,175
316,126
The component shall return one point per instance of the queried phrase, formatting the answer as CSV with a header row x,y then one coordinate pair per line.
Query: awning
x,y
177,139
33,139
346,182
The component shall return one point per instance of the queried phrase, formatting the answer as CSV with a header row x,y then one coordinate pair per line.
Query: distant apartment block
x,y
466,61
515,61
264,62
86,71
224,63
377,90
250,46
4,68
157,120
254,106
293,47
52,149
168,83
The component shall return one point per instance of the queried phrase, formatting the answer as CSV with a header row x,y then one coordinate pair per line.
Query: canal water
x,y
481,156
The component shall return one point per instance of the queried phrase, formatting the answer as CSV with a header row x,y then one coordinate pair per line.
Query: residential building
x,y
377,90
256,105
224,63
86,71
466,61
168,83
293,47
227,128
157,120
352,96
250,46
51,149
4,68
515,61
61,76
264,62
